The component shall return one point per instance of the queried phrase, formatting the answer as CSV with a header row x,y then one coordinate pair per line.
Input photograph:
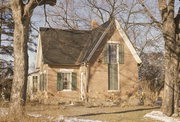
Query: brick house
x,y
86,65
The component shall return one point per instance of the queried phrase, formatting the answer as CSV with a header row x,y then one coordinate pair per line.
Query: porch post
x,y
84,81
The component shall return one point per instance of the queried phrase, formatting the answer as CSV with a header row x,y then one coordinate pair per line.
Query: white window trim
x,y
114,90
66,70
47,80
113,42
67,90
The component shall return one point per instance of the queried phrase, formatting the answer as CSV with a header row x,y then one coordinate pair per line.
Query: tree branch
x,y
149,13
163,9
29,7
3,7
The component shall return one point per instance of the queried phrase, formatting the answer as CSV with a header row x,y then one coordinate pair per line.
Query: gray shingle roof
x,y
69,47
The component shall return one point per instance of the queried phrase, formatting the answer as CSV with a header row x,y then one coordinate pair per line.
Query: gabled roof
x,y
73,47
62,46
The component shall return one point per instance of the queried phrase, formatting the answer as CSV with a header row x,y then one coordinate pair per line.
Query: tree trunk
x,y
0,34
168,99
177,82
171,89
176,98
18,93
21,15
177,76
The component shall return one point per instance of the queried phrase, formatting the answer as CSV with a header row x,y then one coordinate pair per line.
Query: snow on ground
x,y
65,119
158,115
39,115
73,119
4,112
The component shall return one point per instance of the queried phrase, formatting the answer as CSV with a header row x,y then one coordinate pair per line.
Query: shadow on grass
x,y
118,112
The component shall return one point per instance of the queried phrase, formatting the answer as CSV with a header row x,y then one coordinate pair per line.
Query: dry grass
x,y
23,119
110,114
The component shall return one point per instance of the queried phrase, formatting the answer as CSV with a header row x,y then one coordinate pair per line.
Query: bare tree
x,y
22,11
170,26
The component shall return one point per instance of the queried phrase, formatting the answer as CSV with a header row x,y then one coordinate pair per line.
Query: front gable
x,y
113,78
113,34
128,42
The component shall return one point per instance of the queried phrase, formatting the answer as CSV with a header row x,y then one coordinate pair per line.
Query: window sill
x,y
67,90
113,91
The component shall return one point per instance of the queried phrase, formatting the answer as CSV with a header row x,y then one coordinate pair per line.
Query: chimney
x,y
94,24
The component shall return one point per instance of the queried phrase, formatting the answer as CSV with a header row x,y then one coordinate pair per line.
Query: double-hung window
x,y
35,83
66,81
42,82
114,55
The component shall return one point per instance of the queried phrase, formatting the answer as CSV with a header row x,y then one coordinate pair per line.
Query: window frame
x,y
119,52
118,79
117,62
43,80
65,72
35,84
111,56
72,80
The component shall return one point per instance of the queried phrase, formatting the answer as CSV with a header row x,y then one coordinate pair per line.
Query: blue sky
x,y
39,20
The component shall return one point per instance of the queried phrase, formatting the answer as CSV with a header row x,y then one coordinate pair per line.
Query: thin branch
x,y
32,4
32,26
45,14
149,14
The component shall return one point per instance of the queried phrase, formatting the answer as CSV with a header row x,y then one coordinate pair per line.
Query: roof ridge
x,y
48,28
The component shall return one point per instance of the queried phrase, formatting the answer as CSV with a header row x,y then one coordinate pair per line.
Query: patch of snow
x,y
3,112
73,119
39,115
158,115
61,117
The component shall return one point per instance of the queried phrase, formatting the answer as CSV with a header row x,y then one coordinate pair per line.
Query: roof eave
x,y
128,42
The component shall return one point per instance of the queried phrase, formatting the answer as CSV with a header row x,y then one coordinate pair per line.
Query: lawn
x,y
109,114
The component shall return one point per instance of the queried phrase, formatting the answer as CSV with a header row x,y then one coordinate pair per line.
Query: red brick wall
x,y
52,84
98,81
